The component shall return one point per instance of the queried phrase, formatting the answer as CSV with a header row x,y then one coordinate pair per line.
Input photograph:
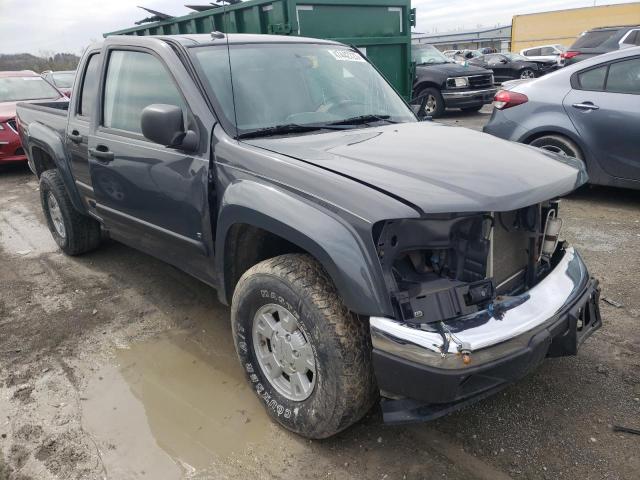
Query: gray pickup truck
x,y
365,255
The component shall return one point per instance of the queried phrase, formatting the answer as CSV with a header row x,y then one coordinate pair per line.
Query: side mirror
x,y
502,60
164,124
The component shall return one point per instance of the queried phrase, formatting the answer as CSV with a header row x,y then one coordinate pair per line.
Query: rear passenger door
x,y
150,196
604,106
79,121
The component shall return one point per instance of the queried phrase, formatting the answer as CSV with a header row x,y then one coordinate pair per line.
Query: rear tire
x,y
74,232
558,144
339,388
430,101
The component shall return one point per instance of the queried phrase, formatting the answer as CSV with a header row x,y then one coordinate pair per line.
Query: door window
x,y
534,52
624,77
89,87
547,51
593,79
134,81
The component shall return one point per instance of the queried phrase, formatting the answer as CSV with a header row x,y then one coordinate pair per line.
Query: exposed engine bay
x,y
450,266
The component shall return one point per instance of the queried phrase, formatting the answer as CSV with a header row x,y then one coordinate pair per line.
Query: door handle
x,y
75,136
101,152
585,106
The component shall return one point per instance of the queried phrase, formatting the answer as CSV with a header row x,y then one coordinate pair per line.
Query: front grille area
x,y
510,248
480,81
12,124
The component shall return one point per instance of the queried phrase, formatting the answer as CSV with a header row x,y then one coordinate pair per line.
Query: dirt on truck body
x,y
365,256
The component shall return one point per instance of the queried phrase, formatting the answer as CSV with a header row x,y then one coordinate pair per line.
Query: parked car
x,y
62,80
440,83
590,111
601,40
18,86
507,66
544,53
361,251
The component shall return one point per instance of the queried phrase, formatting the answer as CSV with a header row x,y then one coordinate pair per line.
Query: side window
x,y
534,52
632,38
134,81
593,79
547,51
89,87
494,59
624,77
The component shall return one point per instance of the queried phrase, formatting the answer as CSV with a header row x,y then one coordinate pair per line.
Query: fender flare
x,y
47,140
317,230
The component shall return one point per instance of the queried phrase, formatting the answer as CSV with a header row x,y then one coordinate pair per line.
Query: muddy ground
x,y
115,365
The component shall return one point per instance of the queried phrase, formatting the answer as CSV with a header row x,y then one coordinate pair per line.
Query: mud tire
x,y
344,387
82,233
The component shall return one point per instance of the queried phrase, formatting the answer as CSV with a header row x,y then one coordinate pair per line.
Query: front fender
x,y
328,237
46,139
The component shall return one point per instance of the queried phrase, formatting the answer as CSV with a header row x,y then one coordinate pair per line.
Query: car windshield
x,y
426,54
64,79
279,88
593,39
516,57
14,89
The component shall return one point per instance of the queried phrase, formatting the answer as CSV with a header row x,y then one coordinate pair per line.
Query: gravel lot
x,y
115,365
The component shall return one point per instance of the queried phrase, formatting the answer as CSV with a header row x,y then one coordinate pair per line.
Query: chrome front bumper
x,y
468,93
487,338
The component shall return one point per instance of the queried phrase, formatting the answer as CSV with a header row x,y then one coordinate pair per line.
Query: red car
x,y
23,86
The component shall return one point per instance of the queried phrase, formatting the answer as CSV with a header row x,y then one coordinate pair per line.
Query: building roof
x,y
503,31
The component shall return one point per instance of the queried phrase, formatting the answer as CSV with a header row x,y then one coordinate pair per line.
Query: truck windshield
x,y
15,89
294,88
427,54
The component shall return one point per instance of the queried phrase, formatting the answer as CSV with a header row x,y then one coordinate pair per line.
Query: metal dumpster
x,y
381,29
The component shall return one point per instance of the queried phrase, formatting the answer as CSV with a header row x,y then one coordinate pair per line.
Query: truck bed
x,y
52,114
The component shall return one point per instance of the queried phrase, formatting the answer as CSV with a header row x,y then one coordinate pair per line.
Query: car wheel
x,y
558,144
73,232
527,73
306,356
477,108
430,101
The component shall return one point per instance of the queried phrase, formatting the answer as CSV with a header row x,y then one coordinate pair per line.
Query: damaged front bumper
x,y
427,381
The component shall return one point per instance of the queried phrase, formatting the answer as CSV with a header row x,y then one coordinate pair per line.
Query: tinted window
x,y
14,89
89,87
547,51
134,81
593,79
534,52
633,38
624,77
593,39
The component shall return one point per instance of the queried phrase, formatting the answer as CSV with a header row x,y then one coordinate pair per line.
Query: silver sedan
x,y
589,110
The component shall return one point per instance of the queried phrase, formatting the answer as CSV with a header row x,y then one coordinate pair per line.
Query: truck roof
x,y
233,38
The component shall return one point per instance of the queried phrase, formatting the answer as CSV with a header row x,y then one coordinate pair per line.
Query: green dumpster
x,y
381,29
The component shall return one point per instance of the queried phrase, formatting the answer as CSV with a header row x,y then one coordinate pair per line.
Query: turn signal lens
x,y
506,99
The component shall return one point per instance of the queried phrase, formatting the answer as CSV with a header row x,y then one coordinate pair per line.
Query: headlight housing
x,y
458,82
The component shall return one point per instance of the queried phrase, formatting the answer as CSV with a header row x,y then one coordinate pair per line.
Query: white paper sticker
x,y
346,55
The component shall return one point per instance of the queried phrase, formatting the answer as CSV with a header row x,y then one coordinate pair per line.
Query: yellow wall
x,y
564,26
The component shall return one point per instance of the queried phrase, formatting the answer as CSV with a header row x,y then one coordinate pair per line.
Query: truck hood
x,y
453,69
437,168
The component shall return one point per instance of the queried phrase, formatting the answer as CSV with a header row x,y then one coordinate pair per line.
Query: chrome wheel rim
x,y
431,104
56,215
283,352
556,149
527,74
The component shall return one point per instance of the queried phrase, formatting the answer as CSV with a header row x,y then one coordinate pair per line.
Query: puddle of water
x,y
181,394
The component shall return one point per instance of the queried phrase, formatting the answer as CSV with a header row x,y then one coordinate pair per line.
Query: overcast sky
x,y
69,25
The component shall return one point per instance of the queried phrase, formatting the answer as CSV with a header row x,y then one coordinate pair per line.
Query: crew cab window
x,y
593,79
624,77
89,86
134,81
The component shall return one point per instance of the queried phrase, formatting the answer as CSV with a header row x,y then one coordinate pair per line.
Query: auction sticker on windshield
x,y
346,55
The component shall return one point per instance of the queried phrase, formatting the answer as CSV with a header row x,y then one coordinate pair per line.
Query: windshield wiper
x,y
280,130
363,119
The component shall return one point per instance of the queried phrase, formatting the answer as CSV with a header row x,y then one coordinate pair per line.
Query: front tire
x,y
74,232
431,102
306,356
527,73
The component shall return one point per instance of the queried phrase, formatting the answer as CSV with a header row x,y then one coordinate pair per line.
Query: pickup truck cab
x,y
440,83
364,254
